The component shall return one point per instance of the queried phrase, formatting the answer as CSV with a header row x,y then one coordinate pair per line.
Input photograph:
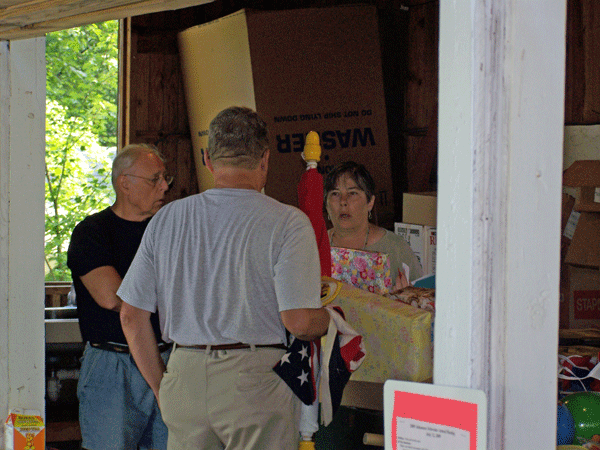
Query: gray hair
x,y
128,156
237,136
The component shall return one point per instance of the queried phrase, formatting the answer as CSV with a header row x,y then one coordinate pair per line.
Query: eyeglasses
x,y
154,181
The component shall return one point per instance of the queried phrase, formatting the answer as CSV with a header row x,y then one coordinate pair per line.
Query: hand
x,y
401,283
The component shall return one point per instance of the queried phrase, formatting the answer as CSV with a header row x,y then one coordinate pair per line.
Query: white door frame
x,y
501,121
22,151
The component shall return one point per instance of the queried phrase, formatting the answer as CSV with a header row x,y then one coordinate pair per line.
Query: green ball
x,y
585,409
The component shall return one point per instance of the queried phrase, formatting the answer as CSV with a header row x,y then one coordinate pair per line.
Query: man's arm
x,y
142,344
102,284
306,323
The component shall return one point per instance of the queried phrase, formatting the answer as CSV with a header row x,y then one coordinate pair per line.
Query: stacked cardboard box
x,y
418,227
580,248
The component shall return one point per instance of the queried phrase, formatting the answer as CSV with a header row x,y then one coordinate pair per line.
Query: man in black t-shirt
x,y
117,408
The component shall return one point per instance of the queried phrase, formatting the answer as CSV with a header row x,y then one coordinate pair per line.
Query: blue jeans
x,y
117,408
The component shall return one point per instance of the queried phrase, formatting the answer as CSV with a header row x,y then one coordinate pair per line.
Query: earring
x,y
328,217
370,215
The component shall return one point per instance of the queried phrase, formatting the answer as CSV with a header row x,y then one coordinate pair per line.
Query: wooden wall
x,y
421,98
582,88
152,106
155,107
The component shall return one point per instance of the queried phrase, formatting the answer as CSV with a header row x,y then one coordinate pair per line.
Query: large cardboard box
x,y
420,208
580,270
422,240
302,70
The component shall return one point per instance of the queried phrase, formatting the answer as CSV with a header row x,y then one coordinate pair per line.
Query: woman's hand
x,y
401,283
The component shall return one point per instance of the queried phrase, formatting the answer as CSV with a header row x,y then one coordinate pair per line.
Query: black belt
x,y
236,346
124,348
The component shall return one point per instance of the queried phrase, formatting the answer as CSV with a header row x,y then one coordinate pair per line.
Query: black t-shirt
x,y
103,239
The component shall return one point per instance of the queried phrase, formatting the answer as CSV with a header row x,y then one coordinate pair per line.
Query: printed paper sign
x,y
422,416
417,435
432,421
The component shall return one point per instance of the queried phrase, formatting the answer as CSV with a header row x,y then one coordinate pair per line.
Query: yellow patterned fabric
x,y
397,336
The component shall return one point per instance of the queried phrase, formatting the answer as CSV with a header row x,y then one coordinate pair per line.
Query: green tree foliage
x,y
81,132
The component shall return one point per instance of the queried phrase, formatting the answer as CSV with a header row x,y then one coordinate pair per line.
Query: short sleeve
x,y
298,269
88,249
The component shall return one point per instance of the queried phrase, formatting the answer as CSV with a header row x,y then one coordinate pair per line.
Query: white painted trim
x,y
489,224
500,164
455,248
536,64
22,150
4,220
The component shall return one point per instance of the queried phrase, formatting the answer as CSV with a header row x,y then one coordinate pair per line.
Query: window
x,y
81,132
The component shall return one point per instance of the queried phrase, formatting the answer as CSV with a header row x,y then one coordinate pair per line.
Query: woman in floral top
x,y
349,194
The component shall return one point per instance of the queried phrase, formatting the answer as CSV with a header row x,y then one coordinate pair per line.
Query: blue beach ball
x,y
565,427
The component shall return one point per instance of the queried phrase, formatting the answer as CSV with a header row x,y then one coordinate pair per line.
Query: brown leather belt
x,y
236,346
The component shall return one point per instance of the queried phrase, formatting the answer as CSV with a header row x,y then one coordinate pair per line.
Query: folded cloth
x,y
343,353
296,368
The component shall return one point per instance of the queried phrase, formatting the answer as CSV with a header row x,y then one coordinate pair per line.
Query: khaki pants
x,y
228,399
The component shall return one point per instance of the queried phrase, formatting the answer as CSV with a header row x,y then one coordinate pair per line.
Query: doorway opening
x,y
81,133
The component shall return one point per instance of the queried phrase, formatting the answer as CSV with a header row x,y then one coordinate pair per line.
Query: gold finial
x,y
312,149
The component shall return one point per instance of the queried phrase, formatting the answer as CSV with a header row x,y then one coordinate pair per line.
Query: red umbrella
x,y
310,199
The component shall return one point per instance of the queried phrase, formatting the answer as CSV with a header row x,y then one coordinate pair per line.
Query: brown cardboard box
x,y
568,225
584,297
420,208
584,175
580,273
316,69
584,249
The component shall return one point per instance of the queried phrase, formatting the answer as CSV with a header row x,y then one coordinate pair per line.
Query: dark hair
x,y
357,172
238,135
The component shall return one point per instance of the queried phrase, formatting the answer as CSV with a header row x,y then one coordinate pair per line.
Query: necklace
x,y
366,238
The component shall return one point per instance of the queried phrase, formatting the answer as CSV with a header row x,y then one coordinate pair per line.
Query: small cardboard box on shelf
x,y
24,429
420,208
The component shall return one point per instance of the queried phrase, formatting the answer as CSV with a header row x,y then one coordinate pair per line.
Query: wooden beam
x,y
37,17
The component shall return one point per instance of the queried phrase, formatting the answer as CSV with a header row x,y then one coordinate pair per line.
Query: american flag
x,y
296,369
343,353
